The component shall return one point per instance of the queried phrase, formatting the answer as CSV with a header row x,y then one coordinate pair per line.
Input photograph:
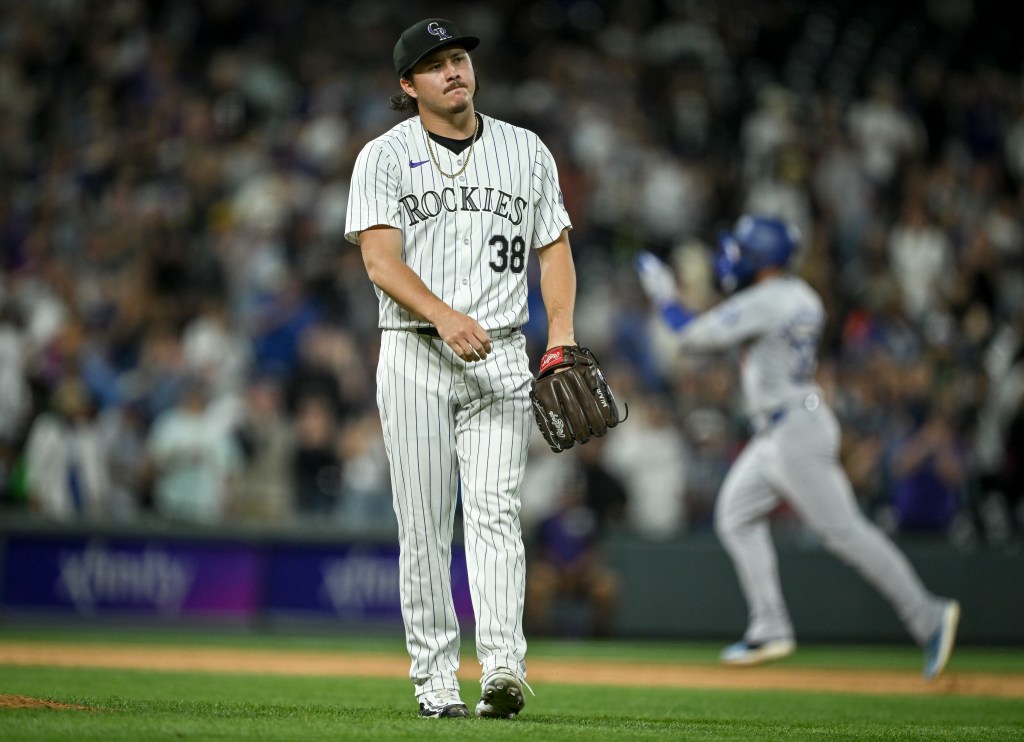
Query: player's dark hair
x,y
403,101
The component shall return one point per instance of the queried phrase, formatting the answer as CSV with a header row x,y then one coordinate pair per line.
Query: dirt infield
x,y
542,670
27,702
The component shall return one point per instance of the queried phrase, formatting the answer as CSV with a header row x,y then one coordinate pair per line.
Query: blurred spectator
x,y
156,381
366,480
316,462
974,297
650,457
213,349
66,471
604,492
123,430
566,563
266,436
195,461
1011,475
15,393
926,99
707,431
329,366
997,453
1014,145
841,187
281,318
922,262
767,131
35,298
547,475
671,198
1003,229
885,134
927,473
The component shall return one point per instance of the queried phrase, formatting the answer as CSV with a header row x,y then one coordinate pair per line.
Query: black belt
x,y
431,332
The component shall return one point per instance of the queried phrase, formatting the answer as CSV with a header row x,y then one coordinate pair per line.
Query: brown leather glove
x,y
571,399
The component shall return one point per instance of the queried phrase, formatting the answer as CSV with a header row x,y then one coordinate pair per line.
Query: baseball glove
x,y
571,399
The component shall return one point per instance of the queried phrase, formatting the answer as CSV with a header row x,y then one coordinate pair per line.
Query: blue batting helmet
x,y
756,242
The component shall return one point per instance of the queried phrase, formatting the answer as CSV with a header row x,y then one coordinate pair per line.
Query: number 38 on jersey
x,y
507,254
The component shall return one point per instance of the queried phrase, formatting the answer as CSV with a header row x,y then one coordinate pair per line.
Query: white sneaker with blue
x,y
755,653
940,646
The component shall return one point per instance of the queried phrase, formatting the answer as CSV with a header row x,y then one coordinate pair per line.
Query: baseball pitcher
x,y
447,208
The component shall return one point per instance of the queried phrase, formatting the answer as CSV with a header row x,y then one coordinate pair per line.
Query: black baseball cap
x,y
428,35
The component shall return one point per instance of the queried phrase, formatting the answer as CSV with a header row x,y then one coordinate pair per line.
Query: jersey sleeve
x,y
731,323
373,191
551,216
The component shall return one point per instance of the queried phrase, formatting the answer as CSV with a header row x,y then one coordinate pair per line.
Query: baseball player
x,y
776,319
447,207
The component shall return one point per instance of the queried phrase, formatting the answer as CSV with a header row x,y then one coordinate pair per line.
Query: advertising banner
x,y
108,576
178,578
354,581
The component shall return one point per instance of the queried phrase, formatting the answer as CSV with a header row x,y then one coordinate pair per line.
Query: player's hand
x,y
656,279
464,336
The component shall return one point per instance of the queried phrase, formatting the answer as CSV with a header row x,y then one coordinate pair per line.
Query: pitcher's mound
x,y
27,702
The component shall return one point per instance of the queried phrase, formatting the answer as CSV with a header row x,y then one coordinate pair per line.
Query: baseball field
x,y
61,684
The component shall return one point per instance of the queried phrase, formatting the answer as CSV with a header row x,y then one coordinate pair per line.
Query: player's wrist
x,y
558,336
439,312
674,314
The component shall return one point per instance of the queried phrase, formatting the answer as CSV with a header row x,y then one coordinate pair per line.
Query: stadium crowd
x,y
185,335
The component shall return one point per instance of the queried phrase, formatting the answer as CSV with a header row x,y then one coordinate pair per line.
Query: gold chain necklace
x,y
469,154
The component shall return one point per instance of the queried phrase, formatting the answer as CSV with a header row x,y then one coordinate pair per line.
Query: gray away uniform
x,y
793,456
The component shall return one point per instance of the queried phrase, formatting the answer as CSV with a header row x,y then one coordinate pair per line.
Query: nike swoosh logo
x,y
417,164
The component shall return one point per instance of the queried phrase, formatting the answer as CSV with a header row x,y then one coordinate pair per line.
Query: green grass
x,y
206,706
158,706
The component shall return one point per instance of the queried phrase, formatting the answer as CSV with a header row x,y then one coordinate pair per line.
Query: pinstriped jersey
x,y
468,238
778,324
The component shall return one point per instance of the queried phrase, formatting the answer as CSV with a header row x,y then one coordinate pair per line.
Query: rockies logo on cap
x,y
439,31
427,36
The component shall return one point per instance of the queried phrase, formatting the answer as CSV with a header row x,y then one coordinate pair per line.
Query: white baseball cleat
x,y
445,703
940,646
755,653
501,695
